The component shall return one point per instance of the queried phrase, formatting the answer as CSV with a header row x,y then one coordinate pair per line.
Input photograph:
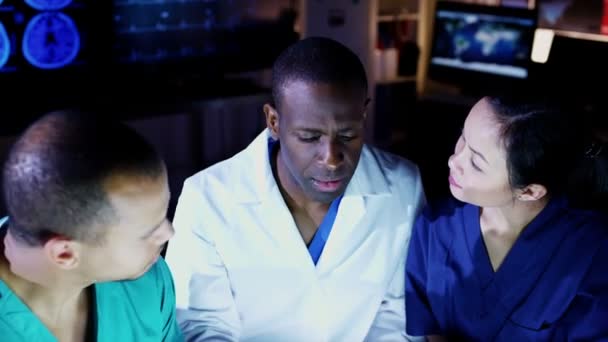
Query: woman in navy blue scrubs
x,y
515,256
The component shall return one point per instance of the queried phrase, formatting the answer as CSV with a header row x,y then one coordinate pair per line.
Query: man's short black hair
x,y
53,178
317,60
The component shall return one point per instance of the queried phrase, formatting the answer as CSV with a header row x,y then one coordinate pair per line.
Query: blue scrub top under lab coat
x,y
551,286
318,241
132,310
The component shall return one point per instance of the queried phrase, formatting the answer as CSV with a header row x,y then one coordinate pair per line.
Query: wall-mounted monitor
x,y
63,52
481,46
202,38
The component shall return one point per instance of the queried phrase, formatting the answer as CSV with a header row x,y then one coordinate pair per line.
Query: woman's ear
x,y
532,192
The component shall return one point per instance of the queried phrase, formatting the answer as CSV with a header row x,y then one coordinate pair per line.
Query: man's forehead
x,y
329,90
315,118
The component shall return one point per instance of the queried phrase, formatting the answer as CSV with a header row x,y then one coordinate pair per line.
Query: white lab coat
x,y
243,273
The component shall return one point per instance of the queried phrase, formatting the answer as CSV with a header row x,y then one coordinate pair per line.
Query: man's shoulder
x,y
231,164
400,174
224,172
238,166
389,162
144,306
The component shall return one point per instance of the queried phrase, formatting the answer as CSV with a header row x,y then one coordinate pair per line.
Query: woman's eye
x,y
475,165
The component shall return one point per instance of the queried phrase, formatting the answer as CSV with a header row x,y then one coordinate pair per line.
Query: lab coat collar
x,y
368,179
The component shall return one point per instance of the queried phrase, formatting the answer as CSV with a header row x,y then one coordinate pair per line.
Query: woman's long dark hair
x,y
557,147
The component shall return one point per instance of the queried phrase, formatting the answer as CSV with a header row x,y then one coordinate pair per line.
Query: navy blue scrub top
x,y
551,286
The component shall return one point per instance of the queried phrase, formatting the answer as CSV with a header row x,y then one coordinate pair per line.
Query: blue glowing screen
x,y
148,31
41,35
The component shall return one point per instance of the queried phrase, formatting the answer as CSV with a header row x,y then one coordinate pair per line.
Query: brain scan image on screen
x,y
48,5
51,40
5,46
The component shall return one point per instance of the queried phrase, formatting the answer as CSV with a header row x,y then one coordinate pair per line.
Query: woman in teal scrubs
x,y
87,200
517,255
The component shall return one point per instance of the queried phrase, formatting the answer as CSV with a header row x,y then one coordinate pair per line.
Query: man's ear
x,y
365,107
532,192
272,120
63,252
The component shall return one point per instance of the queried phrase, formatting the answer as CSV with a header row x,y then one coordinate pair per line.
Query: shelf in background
x,y
398,79
582,35
383,18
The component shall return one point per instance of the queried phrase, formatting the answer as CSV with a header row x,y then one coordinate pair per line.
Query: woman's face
x,y
478,167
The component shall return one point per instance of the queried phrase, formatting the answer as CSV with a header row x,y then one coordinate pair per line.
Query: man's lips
x,y
327,185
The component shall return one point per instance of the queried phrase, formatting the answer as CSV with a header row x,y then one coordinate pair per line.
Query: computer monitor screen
x,y
481,41
62,50
249,33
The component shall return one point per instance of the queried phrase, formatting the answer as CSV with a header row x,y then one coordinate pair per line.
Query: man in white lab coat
x,y
302,236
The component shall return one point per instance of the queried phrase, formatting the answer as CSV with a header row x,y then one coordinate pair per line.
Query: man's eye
x,y
309,139
348,137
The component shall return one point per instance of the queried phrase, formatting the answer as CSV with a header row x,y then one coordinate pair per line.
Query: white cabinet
x,y
355,23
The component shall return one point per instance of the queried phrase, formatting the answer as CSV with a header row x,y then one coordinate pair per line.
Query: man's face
x,y
133,244
320,128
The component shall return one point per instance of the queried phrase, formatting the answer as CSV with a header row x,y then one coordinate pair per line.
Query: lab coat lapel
x,y
277,222
351,228
352,209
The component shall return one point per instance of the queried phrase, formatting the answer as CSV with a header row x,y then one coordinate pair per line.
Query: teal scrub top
x,y
139,310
